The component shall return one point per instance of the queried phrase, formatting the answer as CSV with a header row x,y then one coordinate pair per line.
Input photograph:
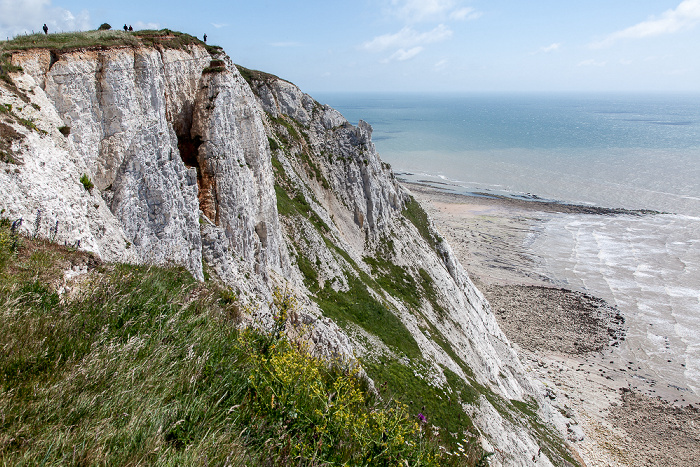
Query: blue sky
x,y
414,45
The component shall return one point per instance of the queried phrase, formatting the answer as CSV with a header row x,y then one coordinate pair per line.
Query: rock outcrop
x,y
239,175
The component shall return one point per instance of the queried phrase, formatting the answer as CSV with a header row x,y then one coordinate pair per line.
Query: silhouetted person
x,y
205,38
45,28
130,28
125,28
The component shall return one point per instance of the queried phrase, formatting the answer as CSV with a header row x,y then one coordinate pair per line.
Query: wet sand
x,y
566,339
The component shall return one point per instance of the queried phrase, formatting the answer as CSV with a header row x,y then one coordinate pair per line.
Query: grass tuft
x,y
87,183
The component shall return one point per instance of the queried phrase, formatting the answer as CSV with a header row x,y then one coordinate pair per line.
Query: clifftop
x,y
245,180
69,41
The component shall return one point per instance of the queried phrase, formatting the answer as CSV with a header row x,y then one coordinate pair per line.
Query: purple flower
x,y
421,417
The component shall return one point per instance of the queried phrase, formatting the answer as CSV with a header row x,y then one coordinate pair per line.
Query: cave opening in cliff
x,y
189,150
188,146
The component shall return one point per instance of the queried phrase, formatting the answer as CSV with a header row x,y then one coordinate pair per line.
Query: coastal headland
x,y
567,340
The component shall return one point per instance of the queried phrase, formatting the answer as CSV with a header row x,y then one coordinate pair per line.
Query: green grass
x,y
7,136
444,410
307,270
396,280
7,133
10,241
550,441
294,138
251,76
87,183
144,365
428,286
296,204
358,306
100,39
6,67
215,66
418,217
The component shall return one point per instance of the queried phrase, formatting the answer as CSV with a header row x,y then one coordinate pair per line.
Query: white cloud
x,y
19,17
591,62
409,42
407,37
547,49
685,16
141,25
402,55
420,10
551,48
219,25
415,11
465,14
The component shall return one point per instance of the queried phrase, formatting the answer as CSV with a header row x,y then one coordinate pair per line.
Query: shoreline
x,y
526,201
566,339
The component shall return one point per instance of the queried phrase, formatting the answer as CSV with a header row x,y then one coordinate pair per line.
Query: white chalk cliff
x,y
240,176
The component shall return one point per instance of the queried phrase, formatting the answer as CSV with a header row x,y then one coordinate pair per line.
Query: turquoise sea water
x,y
632,151
628,151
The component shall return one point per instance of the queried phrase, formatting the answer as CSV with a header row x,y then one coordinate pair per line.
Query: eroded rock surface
x,y
242,176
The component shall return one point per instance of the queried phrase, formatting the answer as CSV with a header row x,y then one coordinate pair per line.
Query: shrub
x,y
87,183
104,27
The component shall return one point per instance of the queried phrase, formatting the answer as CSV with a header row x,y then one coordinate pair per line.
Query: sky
x,y
420,45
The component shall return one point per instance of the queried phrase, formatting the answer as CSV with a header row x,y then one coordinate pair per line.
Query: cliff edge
x,y
152,149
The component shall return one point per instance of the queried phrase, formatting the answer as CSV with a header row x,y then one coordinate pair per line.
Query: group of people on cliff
x,y
126,29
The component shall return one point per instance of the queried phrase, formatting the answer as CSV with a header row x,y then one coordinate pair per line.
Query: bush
x,y
87,183
104,27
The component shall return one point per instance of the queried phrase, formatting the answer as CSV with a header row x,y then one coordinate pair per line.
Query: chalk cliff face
x,y
240,175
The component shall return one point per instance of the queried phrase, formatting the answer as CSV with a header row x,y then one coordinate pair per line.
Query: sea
x,y
630,151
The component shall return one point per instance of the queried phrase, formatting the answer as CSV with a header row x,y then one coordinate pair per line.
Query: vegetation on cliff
x,y
102,39
128,365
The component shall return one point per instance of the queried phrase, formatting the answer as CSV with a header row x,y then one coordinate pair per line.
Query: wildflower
x,y
421,417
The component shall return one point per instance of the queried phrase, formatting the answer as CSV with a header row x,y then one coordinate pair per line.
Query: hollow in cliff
x,y
188,146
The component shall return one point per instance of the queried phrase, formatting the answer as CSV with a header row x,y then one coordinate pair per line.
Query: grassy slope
x,y
399,381
395,378
400,378
143,365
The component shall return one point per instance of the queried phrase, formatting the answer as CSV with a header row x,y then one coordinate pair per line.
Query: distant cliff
x,y
242,178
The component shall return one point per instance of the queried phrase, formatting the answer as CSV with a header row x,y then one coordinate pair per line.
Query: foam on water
x,y
649,267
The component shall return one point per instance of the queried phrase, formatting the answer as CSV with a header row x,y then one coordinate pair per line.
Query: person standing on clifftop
x,y
205,38
45,28
125,28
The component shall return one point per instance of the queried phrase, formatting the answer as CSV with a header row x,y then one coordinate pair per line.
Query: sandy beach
x,y
566,339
